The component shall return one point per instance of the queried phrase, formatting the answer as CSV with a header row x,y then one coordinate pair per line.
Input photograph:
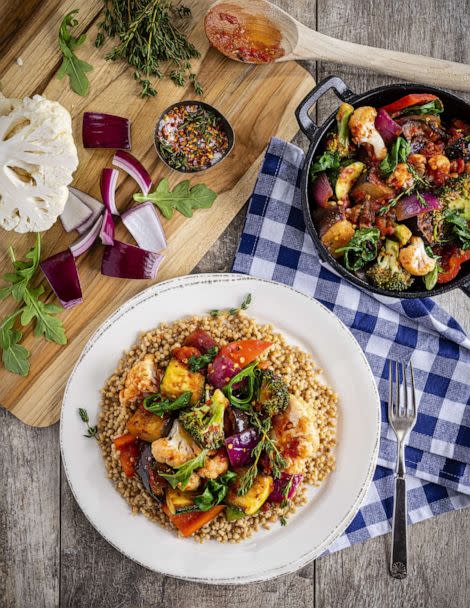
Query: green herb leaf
x,y
183,198
91,430
398,154
47,325
232,311
431,107
183,473
326,162
159,406
197,363
247,373
72,66
215,491
16,357
361,249
459,228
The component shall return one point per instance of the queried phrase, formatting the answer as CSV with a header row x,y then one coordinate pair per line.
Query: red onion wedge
x,y
86,240
108,183
321,190
96,207
129,262
75,213
107,229
410,206
105,131
61,272
134,168
240,446
387,127
144,225
279,491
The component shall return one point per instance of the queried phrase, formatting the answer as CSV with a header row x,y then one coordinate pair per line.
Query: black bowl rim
x,y
227,127
321,131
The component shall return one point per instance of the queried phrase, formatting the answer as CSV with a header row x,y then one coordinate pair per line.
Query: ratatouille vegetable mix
x,y
390,193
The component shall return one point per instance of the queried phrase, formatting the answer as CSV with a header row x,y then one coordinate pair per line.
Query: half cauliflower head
x,y
37,161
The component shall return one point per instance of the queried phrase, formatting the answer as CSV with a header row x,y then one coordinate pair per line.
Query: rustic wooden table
x,y
49,553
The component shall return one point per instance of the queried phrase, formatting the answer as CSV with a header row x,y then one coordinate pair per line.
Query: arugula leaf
x,y
197,363
183,473
459,228
326,162
431,107
47,325
215,491
156,405
398,154
15,357
362,248
182,198
72,66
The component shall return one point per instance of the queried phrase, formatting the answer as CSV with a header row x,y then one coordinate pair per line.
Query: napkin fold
x,y
274,245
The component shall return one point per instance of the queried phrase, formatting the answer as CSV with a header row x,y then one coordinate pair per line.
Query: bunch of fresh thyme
x,y
149,34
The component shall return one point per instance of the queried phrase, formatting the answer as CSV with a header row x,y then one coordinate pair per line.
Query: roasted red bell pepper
x,y
451,265
407,101
188,523
129,452
184,353
200,340
243,352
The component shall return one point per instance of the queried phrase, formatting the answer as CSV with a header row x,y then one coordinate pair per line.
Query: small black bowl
x,y
226,127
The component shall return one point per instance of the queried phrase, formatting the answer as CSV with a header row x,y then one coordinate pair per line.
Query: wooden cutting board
x,y
259,101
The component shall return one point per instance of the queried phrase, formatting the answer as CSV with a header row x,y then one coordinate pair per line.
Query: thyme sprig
x,y
92,431
215,312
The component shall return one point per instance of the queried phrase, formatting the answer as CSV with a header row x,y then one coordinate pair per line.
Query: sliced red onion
x,y
108,183
240,446
75,213
105,131
279,490
410,206
61,272
95,206
221,370
107,229
387,127
86,240
134,168
129,262
144,225
321,190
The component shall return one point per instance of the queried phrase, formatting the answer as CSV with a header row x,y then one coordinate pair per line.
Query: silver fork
x,y
402,418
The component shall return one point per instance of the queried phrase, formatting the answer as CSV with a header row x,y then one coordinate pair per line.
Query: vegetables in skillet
x,y
201,447
390,193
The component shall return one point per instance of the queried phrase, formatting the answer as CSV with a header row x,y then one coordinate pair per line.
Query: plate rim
x,y
271,573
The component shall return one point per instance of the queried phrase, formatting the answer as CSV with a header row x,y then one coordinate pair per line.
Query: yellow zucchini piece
x,y
178,501
256,496
346,179
147,426
178,379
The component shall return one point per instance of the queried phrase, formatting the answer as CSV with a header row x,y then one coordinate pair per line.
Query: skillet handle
x,y
307,125
466,289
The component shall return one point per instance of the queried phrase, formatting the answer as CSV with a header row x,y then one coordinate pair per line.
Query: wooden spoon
x,y
256,31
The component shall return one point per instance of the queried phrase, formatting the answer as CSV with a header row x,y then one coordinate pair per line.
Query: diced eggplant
x,y
335,231
256,496
239,421
430,225
147,426
368,190
146,470
178,379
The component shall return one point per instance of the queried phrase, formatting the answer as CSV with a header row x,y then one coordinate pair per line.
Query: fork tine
x,y
397,380
405,387
390,391
413,392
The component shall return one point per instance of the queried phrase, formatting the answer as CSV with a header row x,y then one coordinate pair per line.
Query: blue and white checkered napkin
x,y
274,245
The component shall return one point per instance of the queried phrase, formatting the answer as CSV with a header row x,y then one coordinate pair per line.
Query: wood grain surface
x,y
51,556
259,103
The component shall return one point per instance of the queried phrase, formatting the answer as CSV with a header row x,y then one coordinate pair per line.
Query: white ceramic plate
x,y
267,554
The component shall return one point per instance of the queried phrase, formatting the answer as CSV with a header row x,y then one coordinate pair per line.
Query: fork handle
x,y
399,559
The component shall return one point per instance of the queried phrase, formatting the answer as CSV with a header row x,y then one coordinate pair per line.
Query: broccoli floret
x,y
205,422
387,272
273,395
456,195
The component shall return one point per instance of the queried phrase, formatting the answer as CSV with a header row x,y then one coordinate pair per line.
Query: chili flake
x,y
191,137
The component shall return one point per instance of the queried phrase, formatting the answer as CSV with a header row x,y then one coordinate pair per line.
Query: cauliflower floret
x,y
418,162
176,449
214,466
362,127
296,434
401,178
37,161
142,378
414,258
194,482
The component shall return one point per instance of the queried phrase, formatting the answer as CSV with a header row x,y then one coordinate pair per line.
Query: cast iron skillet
x,y
453,107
